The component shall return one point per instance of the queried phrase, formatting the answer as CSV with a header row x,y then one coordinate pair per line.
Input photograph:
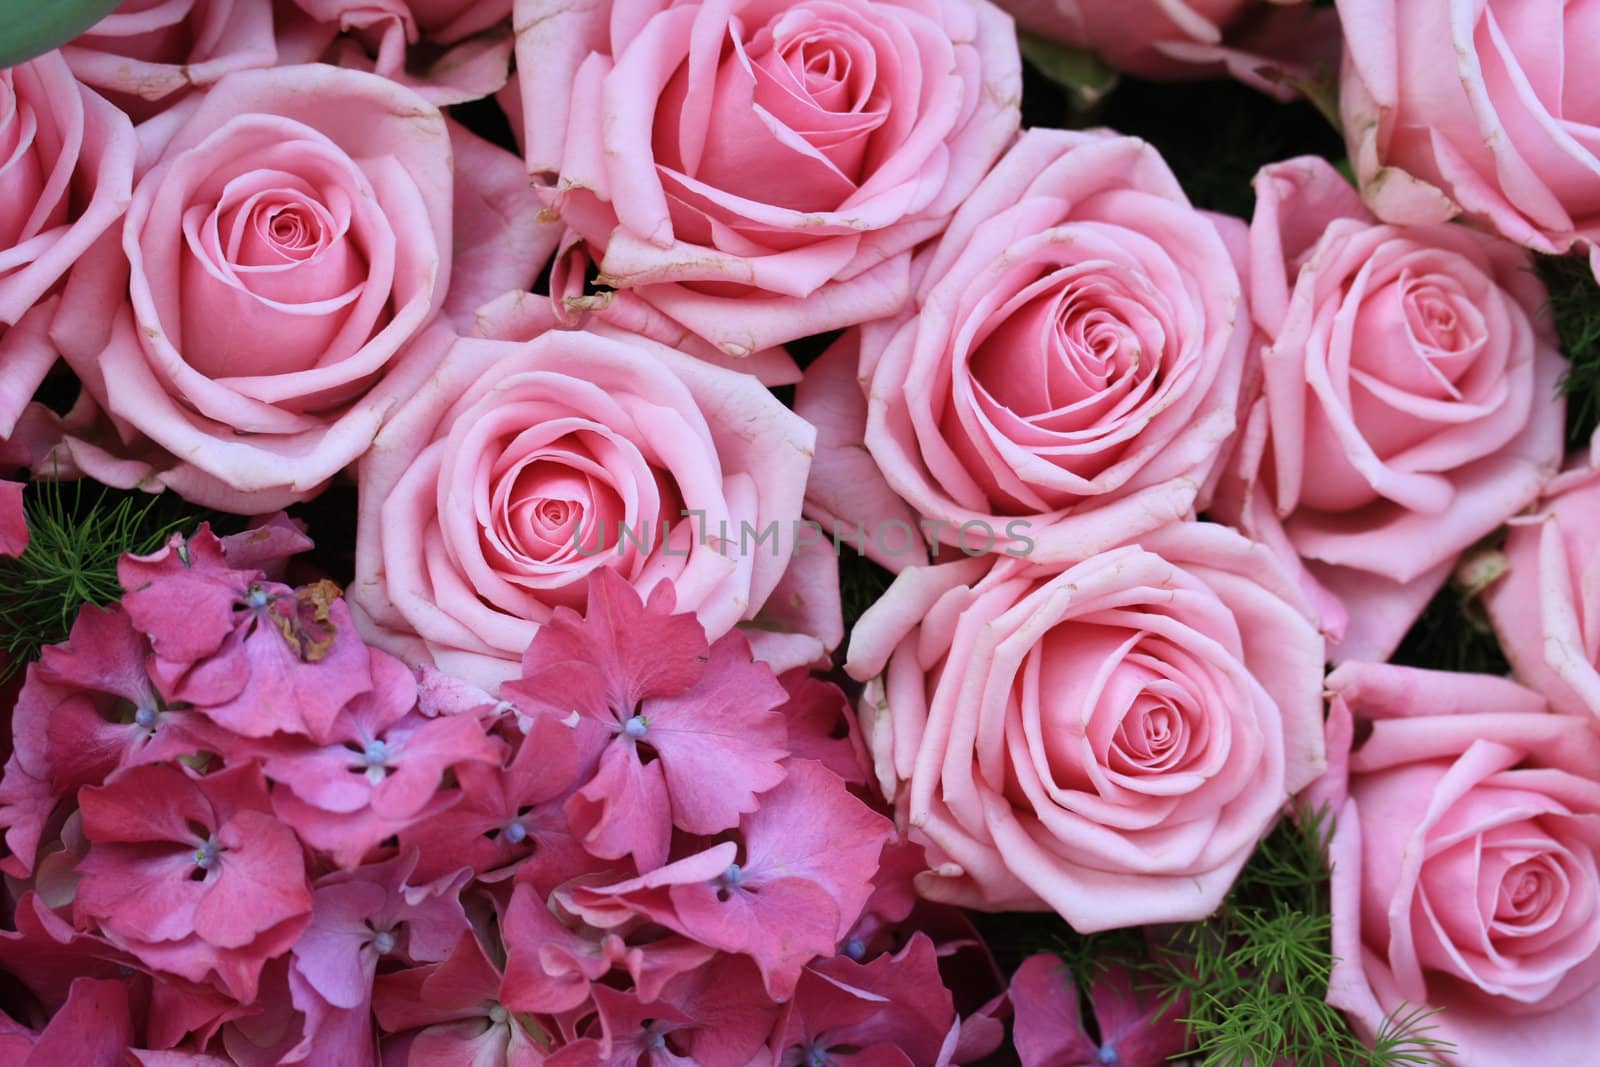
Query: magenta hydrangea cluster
x,y
235,833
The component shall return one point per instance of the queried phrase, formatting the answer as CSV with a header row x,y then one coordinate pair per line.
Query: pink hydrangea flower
x,y
380,769
690,732
894,1009
455,1008
88,707
784,895
554,958
1136,1028
256,656
364,916
713,1017
192,873
93,1029
509,816
237,856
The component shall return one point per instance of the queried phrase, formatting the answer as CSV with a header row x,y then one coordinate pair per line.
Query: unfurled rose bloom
x,y
760,172
1109,741
520,468
250,331
1065,377
1476,107
1257,42
66,174
147,54
449,51
1408,405
1466,863
1545,605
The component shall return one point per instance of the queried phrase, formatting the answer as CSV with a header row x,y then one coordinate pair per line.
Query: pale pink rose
x,y
1065,377
1109,741
66,174
1545,606
1408,403
1477,107
147,54
449,51
1260,42
760,171
251,330
521,467
1466,863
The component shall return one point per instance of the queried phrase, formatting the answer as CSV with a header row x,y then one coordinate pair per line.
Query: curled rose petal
x,y
147,54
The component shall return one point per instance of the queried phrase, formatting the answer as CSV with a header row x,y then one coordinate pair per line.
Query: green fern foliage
x,y
77,533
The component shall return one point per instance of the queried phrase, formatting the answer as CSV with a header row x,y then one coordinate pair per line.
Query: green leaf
x,y
1082,73
30,28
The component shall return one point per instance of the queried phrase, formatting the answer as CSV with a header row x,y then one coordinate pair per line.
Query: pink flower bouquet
x,y
823,533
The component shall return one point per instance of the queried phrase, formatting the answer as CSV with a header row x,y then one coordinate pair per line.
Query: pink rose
x,y
520,468
1065,377
1256,42
760,172
448,51
66,174
252,329
1109,741
1546,605
1465,874
147,54
1478,107
1409,402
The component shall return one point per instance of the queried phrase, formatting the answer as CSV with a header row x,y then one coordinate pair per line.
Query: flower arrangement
x,y
843,532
